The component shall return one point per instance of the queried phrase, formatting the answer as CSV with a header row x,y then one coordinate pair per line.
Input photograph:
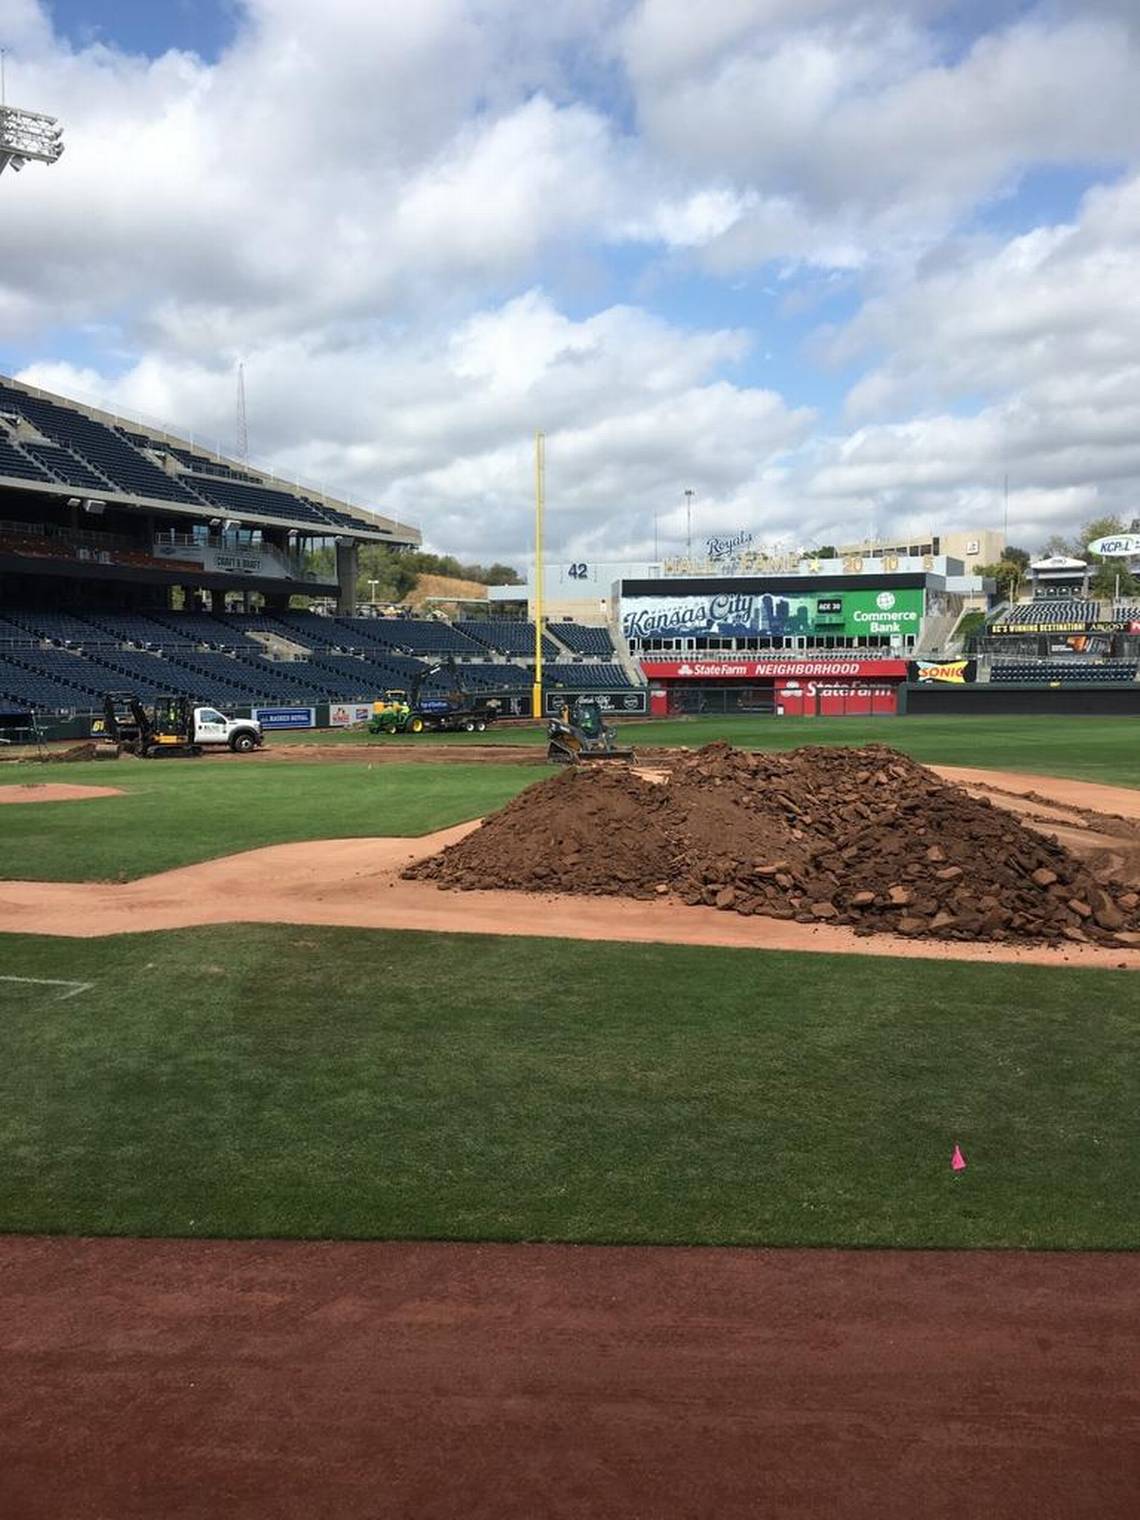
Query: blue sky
x,y
147,26
828,260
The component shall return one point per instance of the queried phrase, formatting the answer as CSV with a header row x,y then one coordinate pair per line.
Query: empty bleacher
x,y
203,628
99,446
51,679
17,464
64,466
59,628
584,638
237,496
127,628
1051,672
421,636
586,677
507,636
1046,613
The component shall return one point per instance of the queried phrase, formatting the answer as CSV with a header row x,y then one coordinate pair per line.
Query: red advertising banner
x,y
796,669
835,699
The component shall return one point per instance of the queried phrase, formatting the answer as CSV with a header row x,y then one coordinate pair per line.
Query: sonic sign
x,y
846,614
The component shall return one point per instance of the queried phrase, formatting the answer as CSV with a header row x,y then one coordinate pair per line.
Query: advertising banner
x,y
285,717
344,714
949,672
845,614
230,561
1037,630
1117,546
835,699
632,702
752,670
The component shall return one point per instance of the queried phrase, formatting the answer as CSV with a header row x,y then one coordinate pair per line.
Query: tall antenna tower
x,y
242,430
25,135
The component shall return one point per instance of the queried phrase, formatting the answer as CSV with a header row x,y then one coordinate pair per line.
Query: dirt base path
x,y
272,1380
356,883
54,791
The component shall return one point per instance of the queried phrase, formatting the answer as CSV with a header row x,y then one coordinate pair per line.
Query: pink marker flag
x,y
957,1160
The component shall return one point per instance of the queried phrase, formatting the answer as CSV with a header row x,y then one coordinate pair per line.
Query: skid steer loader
x,y
580,733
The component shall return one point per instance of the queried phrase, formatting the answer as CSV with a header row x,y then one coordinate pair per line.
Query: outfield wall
x,y
1012,701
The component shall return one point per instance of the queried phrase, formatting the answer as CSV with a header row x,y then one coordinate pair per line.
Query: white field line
x,y
50,981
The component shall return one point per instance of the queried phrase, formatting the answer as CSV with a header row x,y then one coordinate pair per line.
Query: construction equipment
x,y
171,726
580,733
407,712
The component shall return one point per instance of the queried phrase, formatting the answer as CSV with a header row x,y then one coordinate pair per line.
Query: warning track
x,y
267,1380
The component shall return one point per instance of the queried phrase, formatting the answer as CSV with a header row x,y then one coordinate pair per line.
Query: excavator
x,y
580,733
166,729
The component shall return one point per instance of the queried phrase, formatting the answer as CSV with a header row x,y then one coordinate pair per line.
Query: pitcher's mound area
x,y
357,883
54,791
272,1380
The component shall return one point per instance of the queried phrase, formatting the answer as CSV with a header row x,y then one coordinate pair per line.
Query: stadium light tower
x,y
26,135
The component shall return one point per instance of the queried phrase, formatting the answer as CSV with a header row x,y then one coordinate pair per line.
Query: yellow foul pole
x,y
539,505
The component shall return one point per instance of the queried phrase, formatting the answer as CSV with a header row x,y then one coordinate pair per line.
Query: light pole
x,y
26,136
373,585
689,494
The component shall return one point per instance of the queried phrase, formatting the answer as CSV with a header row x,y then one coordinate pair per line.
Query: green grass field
x,y
1092,749
176,812
312,1082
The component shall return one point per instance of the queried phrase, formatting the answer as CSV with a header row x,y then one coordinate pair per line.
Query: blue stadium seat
x,y
507,636
584,638
1071,672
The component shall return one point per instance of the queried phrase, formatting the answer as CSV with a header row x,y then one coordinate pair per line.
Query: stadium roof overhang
x,y
193,576
398,535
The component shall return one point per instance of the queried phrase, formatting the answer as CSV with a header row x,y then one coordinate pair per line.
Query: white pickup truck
x,y
171,725
239,734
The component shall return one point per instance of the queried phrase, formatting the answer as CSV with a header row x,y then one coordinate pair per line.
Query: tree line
x,y
388,575
1107,577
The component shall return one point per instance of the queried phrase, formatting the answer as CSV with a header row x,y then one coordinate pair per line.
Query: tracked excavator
x,y
580,733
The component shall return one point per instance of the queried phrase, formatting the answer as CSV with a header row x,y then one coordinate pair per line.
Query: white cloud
x,y
854,130
366,203
441,430
1045,328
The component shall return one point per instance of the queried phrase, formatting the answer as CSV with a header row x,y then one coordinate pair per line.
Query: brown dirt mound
x,y
865,837
51,791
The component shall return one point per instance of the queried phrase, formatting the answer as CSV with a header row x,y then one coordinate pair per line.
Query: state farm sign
x,y
752,670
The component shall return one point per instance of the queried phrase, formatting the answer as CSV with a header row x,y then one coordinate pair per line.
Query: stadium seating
x,y
237,496
183,628
501,677
127,628
200,463
1044,613
59,628
1046,672
19,465
596,677
421,636
101,447
148,674
65,467
584,638
507,636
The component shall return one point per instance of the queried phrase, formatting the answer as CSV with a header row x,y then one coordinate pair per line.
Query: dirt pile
x,y
865,837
